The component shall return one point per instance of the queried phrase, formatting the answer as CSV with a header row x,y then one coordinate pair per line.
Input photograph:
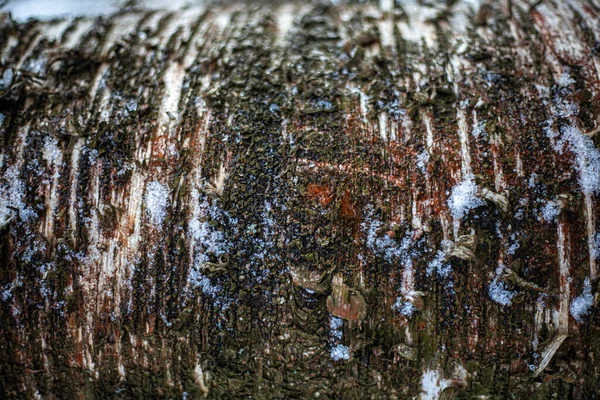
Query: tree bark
x,y
350,200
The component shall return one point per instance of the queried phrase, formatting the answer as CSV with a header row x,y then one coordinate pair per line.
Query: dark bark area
x,y
387,200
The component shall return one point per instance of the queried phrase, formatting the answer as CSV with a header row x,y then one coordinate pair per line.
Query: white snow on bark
x,y
422,161
565,80
550,210
479,130
340,352
50,9
581,305
211,240
587,159
432,385
438,264
587,156
11,195
464,198
336,325
384,245
155,201
404,307
498,290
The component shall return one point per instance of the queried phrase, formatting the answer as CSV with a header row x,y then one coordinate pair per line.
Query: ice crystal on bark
x,y
596,248
479,130
464,198
155,201
498,290
432,385
581,305
422,160
11,197
565,80
340,352
437,265
550,210
404,307
383,244
587,156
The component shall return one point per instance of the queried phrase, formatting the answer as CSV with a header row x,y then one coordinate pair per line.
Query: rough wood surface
x,y
392,199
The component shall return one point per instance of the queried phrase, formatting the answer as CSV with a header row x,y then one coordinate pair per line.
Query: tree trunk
x,y
393,200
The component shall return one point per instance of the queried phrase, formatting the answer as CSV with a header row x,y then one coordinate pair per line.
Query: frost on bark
x,y
393,199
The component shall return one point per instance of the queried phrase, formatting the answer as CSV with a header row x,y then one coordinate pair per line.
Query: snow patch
x,y
49,9
274,108
587,157
340,352
336,325
596,247
479,130
404,307
202,282
464,198
498,290
581,305
565,80
432,385
211,240
155,201
422,160
51,150
11,196
550,210
514,245
385,245
437,265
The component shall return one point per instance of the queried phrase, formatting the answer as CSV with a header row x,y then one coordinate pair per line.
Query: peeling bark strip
x,y
384,199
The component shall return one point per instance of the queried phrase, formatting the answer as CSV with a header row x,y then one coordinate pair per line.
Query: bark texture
x,y
387,200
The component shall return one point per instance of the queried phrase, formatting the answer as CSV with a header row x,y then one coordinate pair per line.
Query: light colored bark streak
x,y
427,120
52,32
564,265
173,80
74,175
54,161
11,43
591,232
463,135
102,70
519,164
74,38
562,331
386,29
122,26
284,20
383,127
416,29
34,43
499,183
